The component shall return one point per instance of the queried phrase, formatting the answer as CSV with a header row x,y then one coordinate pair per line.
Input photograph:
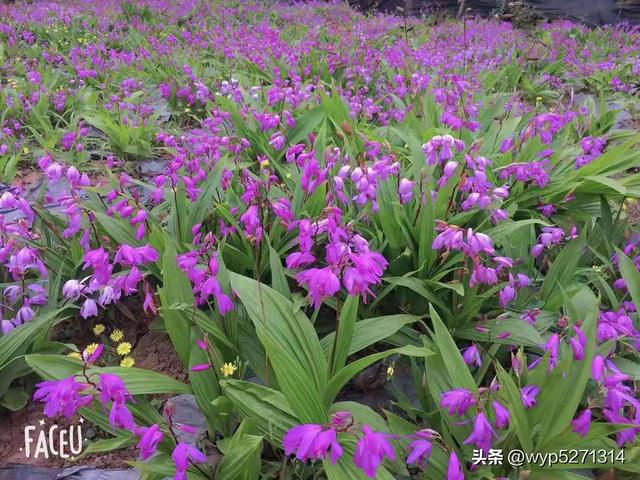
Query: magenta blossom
x,y
481,434
371,450
121,417
62,396
311,441
454,468
457,401
182,454
528,395
471,356
502,415
150,438
421,448
322,283
112,389
582,423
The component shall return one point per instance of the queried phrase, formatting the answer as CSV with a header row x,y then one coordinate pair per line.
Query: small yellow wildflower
x,y
74,355
390,371
98,329
228,369
264,164
127,362
116,335
25,150
91,348
124,348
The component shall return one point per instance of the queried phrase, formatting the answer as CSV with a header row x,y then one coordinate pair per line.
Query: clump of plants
x,y
319,208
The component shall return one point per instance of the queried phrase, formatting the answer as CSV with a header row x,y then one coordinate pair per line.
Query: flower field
x,y
364,246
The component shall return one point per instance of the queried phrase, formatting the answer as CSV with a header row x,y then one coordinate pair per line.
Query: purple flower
x,y
89,308
405,190
322,283
551,347
128,255
182,454
528,395
479,243
481,433
121,417
454,468
150,438
506,295
62,396
311,441
597,368
582,423
578,343
506,145
200,367
371,450
277,140
93,356
112,389
502,415
251,222
471,355
547,210
457,401
420,448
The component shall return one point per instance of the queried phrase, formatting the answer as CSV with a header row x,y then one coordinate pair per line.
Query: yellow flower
x,y
228,369
74,355
116,335
25,150
98,329
124,348
127,362
91,348
390,371
264,164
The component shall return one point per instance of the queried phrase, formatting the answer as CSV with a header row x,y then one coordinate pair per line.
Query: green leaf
x,y
278,276
562,272
291,343
267,408
501,233
176,289
138,380
519,421
242,458
204,383
569,379
344,334
117,229
630,275
342,377
305,125
456,367
426,233
370,331
14,399
522,333
19,339
200,208
110,444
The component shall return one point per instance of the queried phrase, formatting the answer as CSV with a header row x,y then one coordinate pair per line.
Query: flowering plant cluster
x,y
375,246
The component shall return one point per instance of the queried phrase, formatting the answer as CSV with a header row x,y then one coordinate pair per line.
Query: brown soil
x,y
152,350
12,442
